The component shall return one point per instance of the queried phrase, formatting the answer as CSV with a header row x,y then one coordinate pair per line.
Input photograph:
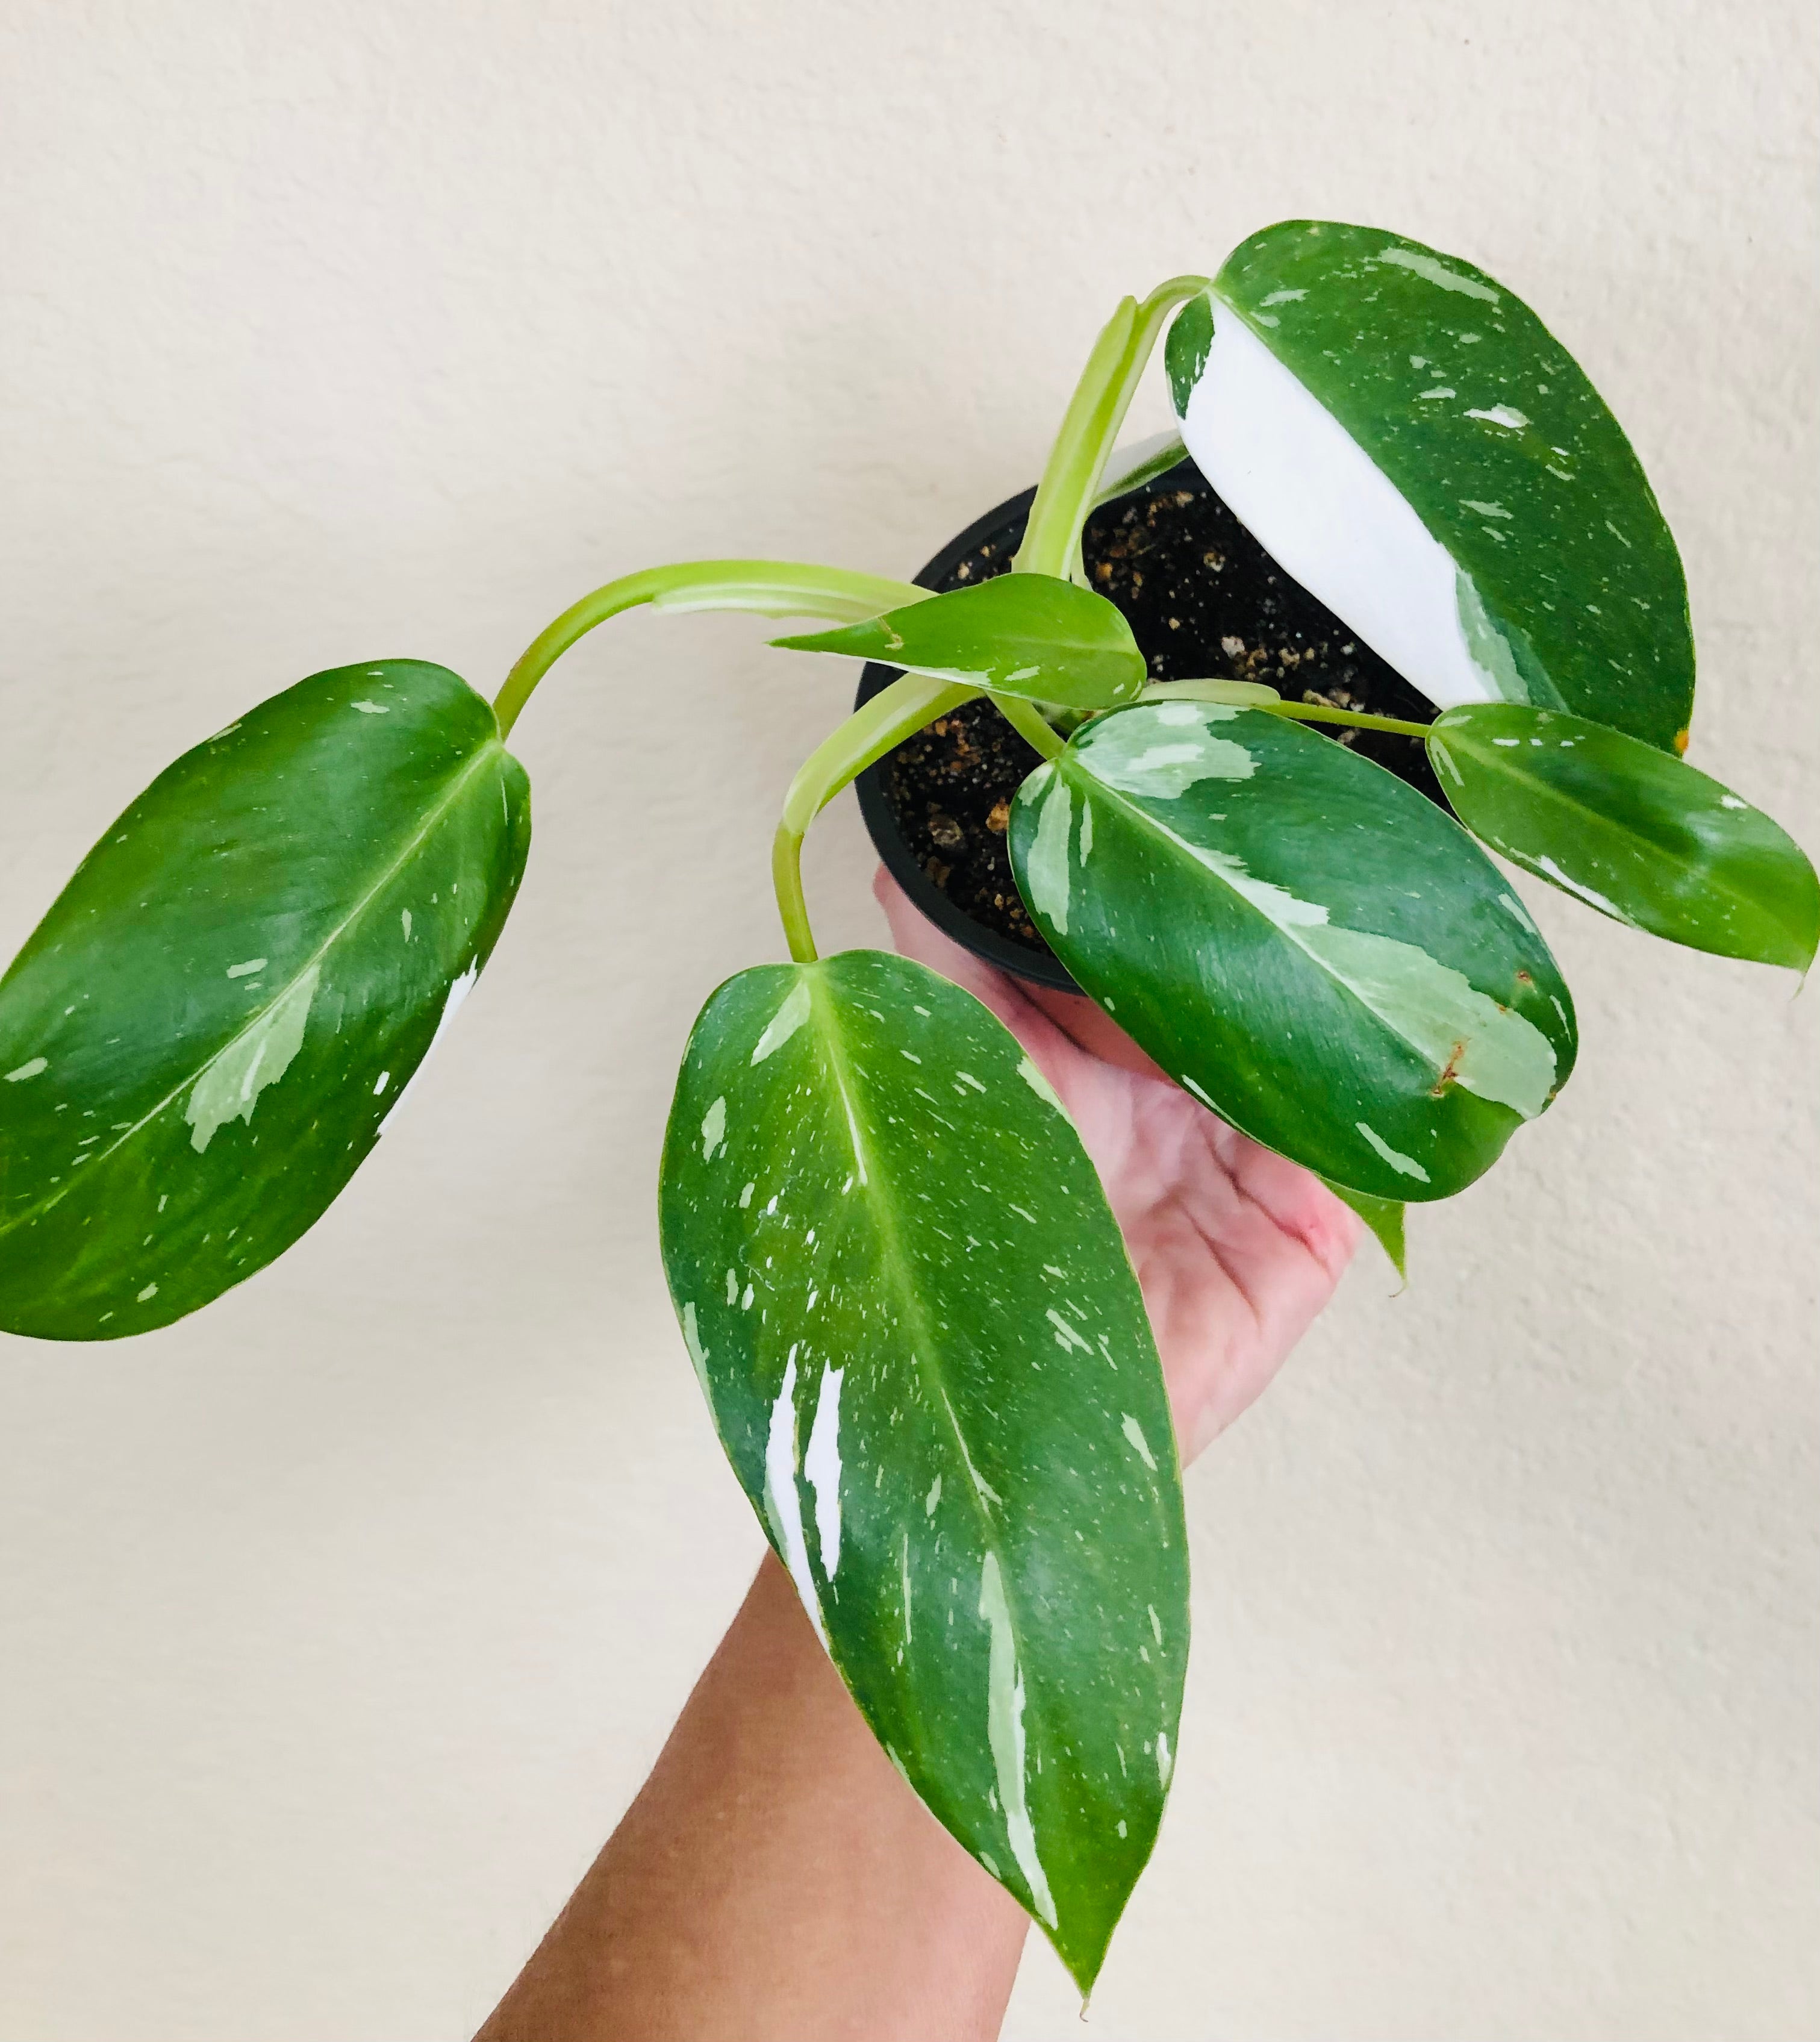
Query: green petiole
x,y
770,588
897,713
1090,426
1357,720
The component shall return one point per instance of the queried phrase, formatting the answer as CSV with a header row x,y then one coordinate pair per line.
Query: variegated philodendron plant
x,y
912,1316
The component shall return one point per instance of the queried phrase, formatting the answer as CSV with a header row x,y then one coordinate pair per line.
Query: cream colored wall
x,y
338,1623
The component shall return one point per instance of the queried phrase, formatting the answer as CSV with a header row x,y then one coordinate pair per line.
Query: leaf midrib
x,y
489,748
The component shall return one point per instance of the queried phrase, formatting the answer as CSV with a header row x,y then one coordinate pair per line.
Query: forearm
x,y
775,1881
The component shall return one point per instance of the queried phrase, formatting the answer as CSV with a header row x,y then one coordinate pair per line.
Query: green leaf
x,y
1410,442
1642,837
203,1036
929,1364
1309,946
1384,1217
1027,635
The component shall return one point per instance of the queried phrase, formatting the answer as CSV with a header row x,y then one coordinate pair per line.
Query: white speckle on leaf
x,y
1439,752
1040,1086
146,1295
1284,297
1725,801
404,918
967,1078
746,1195
1485,510
1005,1734
372,709
1165,1764
29,1070
381,1083
1066,1336
246,970
1506,415
713,1129
934,1498
783,1024
1405,1166
231,1083
1156,1622
1439,390
1435,272
821,1467
1134,1432
982,1488
697,1353
1549,869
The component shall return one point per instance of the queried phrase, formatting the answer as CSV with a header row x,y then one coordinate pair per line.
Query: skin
x,y
775,1880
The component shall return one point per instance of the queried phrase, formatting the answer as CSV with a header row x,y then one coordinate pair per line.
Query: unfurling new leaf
x,y
203,1036
928,1360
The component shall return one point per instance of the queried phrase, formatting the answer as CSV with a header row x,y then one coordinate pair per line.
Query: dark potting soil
x,y
1204,600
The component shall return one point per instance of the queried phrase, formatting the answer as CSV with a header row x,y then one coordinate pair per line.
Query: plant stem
x,y
1090,426
1314,713
772,588
893,714
1030,724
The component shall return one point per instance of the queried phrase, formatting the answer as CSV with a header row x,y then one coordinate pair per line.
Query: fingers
x,y
1294,1198
1094,1030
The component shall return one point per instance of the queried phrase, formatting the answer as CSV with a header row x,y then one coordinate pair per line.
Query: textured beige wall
x,y
338,1623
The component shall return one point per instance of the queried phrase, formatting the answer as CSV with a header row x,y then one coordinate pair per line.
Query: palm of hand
x,y
1237,1249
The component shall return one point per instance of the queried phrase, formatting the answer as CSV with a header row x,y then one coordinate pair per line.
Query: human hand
x,y
1237,1249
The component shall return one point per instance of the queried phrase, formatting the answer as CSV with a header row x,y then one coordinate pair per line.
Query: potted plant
x,y
913,1318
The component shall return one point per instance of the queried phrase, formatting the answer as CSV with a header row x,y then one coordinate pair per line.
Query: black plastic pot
x,y
1229,611
1005,524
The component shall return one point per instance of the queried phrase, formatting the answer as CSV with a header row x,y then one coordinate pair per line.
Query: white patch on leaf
x,y
783,1024
713,1129
821,1467
1046,868
1404,1165
1005,1734
1323,508
230,1083
783,1507
1134,1432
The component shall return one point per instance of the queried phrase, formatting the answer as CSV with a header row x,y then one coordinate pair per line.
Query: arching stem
x,y
895,713
770,588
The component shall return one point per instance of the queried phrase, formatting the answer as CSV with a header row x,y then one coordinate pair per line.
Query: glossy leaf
x,y
1385,1218
1308,945
1411,442
929,1364
203,1037
1642,837
1027,635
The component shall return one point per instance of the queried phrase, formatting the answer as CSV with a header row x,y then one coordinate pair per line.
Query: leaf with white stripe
x,y
1302,940
1410,442
929,1364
